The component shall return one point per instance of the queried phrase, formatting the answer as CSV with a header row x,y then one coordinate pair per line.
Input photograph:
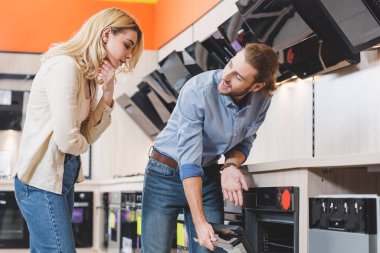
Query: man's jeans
x,y
164,198
48,215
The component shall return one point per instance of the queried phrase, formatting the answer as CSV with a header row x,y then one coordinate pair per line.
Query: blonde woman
x,y
63,118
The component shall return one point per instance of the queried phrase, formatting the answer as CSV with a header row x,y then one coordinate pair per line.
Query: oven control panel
x,y
284,199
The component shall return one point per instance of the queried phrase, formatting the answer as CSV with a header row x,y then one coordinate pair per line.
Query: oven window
x,y
275,236
11,224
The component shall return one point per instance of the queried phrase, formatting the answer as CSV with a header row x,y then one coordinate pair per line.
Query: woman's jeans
x,y
48,215
164,198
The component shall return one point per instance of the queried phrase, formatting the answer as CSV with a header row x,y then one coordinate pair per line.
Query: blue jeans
x,y
164,198
48,215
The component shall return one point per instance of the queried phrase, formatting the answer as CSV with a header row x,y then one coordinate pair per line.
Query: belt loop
x,y
150,150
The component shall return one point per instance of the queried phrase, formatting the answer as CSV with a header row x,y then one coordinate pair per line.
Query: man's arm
x,y
232,179
190,108
193,192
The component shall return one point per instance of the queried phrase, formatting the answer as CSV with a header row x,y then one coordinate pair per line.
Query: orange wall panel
x,y
174,16
32,26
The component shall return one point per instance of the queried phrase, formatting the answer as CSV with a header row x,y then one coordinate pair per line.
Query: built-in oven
x,y
344,223
82,219
113,229
181,239
13,229
233,215
138,220
128,223
271,219
105,209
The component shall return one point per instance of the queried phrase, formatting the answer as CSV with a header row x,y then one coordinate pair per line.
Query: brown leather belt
x,y
164,159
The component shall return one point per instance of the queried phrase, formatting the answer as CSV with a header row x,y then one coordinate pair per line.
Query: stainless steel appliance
x,y
344,223
128,223
13,229
181,235
105,205
233,215
231,238
82,219
271,219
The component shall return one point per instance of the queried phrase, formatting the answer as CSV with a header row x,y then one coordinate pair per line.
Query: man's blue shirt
x,y
205,124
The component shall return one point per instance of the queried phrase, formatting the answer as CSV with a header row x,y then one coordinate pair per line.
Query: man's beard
x,y
239,94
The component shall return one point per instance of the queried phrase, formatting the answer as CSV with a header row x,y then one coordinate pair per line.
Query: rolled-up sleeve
x,y
97,122
61,84
190,126
246,145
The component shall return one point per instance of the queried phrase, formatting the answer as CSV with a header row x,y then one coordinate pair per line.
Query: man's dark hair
x,y
265,60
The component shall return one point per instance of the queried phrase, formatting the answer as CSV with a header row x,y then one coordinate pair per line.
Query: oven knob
x,y
345,207
331,206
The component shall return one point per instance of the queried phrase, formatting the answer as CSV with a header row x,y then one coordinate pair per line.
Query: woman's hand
x,y
107,78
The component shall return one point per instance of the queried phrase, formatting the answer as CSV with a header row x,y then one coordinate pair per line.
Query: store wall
x,y
123,147
347,109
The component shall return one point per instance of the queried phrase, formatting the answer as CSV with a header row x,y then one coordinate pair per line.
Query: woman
x,y
63,118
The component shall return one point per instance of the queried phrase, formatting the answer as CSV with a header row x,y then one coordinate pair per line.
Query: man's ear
x,y
257,86
105,34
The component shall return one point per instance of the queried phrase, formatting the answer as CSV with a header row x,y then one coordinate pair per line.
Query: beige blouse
x,y
60,119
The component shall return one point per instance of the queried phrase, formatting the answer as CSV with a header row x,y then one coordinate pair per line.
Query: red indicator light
x,y
285,199
290,56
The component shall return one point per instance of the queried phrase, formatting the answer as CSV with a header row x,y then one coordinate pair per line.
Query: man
x,y
218,113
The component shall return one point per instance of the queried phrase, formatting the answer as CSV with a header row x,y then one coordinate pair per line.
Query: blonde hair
x,y
87,47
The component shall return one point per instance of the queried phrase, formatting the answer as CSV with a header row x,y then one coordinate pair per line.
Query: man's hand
x,y
206,236
232,184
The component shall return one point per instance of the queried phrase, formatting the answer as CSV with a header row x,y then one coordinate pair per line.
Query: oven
x,y
113,228
344,223
105,206
138,220
13,229
233,215
181,235
271,219
128,223
82,219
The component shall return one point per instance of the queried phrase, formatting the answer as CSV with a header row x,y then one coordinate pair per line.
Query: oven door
x,y
82,219
272,232
13,230
128,229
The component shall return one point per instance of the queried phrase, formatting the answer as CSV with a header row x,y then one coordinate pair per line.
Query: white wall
x,y
347,109
123,148
286,132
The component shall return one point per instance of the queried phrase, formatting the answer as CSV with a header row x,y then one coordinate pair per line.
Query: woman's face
x,y
119,46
